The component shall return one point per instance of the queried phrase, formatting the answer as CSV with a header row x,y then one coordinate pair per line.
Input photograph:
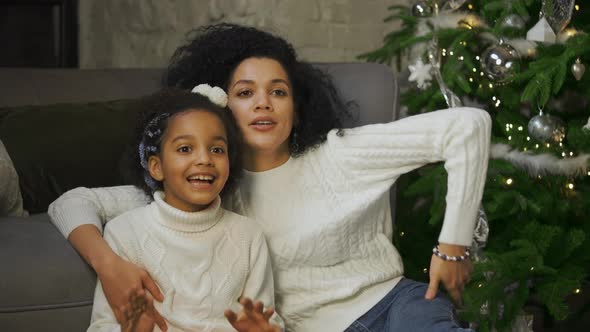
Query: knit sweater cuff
x,y
459,223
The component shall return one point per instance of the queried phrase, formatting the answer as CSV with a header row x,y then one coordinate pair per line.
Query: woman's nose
x,y
263,102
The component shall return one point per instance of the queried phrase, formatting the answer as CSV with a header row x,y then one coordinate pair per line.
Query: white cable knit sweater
x,y
326,214
202,261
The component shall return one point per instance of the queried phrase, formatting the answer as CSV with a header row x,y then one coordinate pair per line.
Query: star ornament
x,y
420,73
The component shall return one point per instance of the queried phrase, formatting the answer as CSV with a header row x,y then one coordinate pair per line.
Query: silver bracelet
x,y
444,257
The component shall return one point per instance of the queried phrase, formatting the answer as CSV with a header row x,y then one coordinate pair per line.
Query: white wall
x,y
144,33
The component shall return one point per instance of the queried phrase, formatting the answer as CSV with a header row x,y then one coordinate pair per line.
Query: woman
x,y
319,193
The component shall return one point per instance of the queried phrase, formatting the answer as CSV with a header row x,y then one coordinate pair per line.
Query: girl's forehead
x,y
196,118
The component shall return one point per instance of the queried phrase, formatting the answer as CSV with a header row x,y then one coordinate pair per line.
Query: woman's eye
x,y
218,150
279,92
244,93
184,149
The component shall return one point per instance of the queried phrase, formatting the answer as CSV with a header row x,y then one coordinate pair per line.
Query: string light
x,y
532,268
510,138
560,144
509,181
571,154
536,146
425,270
548,145
570,186
480,285
491,85
577,7
470,6
563,154
524,149
588,173
451,53
402,234
481,73
475,70
577,291
471,79
519,128
528,138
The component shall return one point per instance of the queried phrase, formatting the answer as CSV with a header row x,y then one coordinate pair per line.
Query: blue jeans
x,y
404,309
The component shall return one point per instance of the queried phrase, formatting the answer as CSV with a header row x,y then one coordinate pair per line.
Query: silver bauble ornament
x,y
578,69
500,62
546,128
421,9
513,21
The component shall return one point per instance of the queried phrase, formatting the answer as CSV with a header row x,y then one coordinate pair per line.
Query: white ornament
x,y
420,73
542,32
587,126
215,94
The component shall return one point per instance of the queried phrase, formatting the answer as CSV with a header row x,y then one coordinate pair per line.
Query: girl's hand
x,y
123,284
454,275
138,319
251,318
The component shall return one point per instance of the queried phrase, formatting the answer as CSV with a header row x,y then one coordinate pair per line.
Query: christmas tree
x,y
523,61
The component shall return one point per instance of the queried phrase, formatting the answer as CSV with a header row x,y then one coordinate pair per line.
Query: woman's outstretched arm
x,y
374,156
80,214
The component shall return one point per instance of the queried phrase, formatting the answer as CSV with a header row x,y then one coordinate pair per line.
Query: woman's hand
x,y
454,275
130,291
251,318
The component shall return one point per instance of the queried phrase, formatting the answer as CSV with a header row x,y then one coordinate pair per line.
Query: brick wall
x,y
144,33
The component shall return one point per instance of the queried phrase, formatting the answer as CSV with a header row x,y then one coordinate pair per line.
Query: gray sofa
x,y
44,284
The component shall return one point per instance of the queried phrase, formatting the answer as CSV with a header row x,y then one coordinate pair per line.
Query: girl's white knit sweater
x,y
202,262
326,214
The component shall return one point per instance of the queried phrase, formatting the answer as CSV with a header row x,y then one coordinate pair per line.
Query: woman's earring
x,y
294,145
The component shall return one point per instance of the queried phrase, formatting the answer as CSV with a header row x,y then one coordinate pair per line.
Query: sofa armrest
x,y
40,270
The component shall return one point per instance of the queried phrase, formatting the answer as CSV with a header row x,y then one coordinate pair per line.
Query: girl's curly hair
x,y
213,52
154,112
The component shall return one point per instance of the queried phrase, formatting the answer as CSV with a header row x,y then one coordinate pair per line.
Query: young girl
x,y
320,193
204,258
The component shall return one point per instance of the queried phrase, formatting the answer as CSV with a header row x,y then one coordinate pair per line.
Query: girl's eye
x,y
184,149
218,150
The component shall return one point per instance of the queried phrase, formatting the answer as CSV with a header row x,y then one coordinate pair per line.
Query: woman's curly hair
x,y
154,112
213,52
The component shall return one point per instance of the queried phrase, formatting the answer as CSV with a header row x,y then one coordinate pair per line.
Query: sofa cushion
x,y
11,202
41,273
59,147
